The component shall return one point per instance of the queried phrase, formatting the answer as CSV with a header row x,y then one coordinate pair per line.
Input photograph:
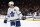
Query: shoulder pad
x,y
17,8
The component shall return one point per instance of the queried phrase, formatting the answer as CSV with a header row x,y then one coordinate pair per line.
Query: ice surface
x,y
23,23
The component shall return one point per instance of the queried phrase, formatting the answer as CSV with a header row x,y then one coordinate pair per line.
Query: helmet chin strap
x,y
11,6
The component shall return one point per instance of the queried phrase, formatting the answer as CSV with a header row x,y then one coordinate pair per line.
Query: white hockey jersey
x,y
14,13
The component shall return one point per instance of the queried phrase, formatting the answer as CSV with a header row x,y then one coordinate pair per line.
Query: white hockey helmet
x,y
11,2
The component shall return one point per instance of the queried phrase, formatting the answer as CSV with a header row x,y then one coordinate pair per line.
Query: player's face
x,y
11,5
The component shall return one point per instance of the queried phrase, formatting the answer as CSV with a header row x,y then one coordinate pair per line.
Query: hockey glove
x,y
23,18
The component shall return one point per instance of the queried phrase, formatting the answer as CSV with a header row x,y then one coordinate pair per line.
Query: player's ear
x,y
9,5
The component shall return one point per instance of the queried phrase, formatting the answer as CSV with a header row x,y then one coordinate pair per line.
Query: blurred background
x,y
27,7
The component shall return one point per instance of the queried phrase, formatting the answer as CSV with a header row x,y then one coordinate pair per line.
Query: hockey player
x,y
14,15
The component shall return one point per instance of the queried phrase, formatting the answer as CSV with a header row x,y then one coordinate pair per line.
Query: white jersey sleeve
x,y
8,12
18,12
